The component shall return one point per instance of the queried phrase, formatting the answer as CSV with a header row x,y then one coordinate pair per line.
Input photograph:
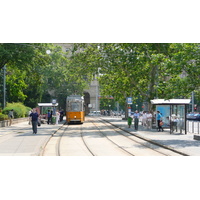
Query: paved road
x,y
18,139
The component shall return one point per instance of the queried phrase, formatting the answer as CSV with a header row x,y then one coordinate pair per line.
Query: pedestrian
x,y
144,119
29,117
48,117
34,119
136,119
130,121
10,116
159,119
57,116
61,115
149,120
51,116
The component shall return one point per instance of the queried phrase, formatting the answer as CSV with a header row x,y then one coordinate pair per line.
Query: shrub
x,y
20,110
3,117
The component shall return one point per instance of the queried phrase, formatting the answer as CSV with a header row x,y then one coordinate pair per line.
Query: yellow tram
x,y
75,110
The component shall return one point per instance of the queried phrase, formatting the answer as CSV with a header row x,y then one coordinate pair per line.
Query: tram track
x,y
58,144
140,143
53,136
55,145
85,143
146,140
104,135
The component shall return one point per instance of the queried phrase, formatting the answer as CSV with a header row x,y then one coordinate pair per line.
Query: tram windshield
x,y
75,106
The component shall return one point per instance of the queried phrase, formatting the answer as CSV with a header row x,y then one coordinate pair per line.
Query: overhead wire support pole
x,y
193,102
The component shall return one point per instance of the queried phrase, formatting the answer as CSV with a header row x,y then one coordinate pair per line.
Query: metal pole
x,y
96,96
170,122
185,124
117,107
4,86
193,101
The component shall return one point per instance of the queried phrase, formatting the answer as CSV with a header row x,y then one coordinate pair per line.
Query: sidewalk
x,y
19,140
181,142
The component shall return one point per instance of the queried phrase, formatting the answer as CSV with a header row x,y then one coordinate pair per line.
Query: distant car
x,y
94,113
193,116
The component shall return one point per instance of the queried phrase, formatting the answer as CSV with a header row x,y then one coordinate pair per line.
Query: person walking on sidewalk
x,y
34,119
136,119
159,118
10,116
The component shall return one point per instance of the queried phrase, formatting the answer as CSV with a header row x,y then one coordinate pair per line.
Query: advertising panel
x,y
165,112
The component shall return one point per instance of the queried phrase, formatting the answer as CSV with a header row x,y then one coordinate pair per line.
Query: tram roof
x,y
170,101
47,104
79,97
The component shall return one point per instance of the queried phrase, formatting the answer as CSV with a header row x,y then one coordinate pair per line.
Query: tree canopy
x,y
34,76
143,71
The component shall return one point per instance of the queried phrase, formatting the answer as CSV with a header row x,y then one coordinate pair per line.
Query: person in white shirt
x,y
57,116
149,120
144,119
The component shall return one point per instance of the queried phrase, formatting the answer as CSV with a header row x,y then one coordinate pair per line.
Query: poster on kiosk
x,y
165,112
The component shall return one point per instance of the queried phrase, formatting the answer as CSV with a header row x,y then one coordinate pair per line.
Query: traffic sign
x,y
129,100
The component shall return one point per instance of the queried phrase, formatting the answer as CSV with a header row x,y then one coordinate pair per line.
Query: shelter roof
x,y
170,101
47,104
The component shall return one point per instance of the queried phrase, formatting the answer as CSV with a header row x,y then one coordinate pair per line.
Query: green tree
x,y
145,71
22,55
15,85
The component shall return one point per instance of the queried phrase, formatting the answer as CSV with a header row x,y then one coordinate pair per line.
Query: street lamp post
x,y
97,91
4,86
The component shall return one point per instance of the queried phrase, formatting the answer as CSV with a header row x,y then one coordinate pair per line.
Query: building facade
x,y
91,95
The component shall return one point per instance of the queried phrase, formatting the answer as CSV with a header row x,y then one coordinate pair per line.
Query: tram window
x,y
75,106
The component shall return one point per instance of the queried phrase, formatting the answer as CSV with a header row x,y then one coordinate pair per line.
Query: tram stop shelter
x,y
173,112
44,107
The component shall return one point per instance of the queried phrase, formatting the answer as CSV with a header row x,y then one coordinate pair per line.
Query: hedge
x,y
19,110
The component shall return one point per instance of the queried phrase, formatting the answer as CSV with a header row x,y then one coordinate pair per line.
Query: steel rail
x,y
112,140
42,149
59,140
81,130
149,141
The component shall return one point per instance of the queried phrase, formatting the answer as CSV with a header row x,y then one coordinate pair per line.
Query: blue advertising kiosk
x,y
173,113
